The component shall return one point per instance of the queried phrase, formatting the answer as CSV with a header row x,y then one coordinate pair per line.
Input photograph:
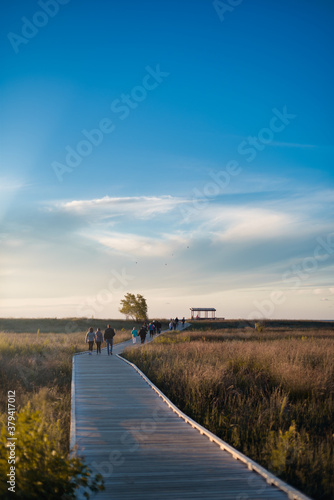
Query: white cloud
x,y
242,222
140,246
140,207
229,243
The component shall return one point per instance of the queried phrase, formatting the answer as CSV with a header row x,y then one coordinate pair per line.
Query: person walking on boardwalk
x,y
151,328
134,334
98,340
90,337
183,321
109,334
142,334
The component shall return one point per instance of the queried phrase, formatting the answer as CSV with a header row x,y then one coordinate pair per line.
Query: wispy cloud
x,y
228,244
244,222
139,207
139,246
9,184
217,221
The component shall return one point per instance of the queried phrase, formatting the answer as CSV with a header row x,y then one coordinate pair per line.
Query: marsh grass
x,y
268,393
39,368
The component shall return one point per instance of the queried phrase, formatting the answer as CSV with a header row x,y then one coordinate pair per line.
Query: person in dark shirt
x,y
142,334
98,340
109,334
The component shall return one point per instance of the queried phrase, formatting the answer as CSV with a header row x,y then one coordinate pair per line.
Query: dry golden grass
x,y
270,395
38,366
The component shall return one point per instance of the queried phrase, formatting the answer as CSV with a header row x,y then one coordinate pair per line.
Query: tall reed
x,y
270,397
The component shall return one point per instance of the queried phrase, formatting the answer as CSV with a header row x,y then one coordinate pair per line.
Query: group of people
x,y
152,328
108,336
98,337
173,324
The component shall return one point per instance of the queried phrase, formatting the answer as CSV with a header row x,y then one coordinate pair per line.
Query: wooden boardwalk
x,y
142,448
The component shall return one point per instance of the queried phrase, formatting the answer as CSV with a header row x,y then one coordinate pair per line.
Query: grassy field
x,y
37,365
266,391
54,325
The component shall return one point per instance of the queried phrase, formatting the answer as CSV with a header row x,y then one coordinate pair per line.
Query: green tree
x,y
134,306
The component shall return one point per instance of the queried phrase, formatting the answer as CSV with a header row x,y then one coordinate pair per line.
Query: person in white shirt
x,y
90,338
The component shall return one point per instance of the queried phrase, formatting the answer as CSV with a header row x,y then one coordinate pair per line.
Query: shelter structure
x,y
196,312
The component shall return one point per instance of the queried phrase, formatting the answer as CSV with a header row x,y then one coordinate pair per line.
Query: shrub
x,y
41,469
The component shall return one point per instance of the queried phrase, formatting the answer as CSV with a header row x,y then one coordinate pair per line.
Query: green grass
x,y
269,393
54,325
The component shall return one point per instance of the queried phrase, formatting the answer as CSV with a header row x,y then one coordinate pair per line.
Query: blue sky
x,y
179,149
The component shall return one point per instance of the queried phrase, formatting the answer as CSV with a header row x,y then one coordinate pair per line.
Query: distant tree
x,y
134,306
